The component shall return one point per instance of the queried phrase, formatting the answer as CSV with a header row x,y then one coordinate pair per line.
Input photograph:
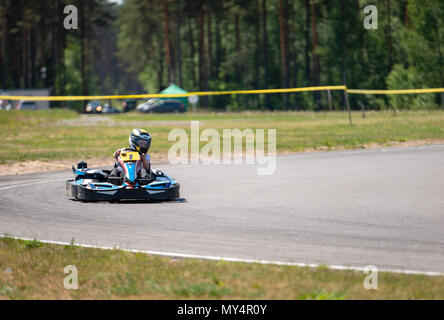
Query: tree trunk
x,y
294,56
440,53
32,58
388,33
56,47
60,51
218,43
179,42
203,78
210,42
160,69
201,50
344,49
25,65
167,42
307,41
257,46
237,65
4,72
316,67
192,48
283,36
84,23
43,62
265,52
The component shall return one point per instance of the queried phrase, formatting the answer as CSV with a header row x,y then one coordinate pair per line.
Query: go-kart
x,y
132,184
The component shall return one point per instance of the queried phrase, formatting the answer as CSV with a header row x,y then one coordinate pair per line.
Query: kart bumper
x,y
85,193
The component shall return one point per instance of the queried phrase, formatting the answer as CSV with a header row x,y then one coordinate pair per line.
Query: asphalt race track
x,y
380,207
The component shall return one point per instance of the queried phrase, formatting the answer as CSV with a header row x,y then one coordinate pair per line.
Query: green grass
x,y
15,118
37,272
60,134
32,244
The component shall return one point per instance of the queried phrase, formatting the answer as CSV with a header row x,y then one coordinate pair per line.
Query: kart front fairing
x,y
95,185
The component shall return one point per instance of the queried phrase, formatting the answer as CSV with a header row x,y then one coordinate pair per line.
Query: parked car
x,y
94,107
129,104
5,104
109,109
26,105
161,106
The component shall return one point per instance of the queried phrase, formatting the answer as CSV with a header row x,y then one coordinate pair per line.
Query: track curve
x,y
380,207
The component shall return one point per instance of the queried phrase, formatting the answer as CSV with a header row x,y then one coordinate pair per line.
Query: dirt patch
x,y
375,145
412,143
60,165
40,166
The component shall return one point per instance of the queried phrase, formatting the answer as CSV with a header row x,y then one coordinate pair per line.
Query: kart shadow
x,y
178,200
133,201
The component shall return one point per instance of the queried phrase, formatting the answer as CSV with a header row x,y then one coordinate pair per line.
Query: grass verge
x,y
61,134
33,270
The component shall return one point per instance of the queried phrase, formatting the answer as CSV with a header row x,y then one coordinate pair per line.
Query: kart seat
x,y
98,175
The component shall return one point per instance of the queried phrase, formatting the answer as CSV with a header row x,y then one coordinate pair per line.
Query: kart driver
x,y
139,140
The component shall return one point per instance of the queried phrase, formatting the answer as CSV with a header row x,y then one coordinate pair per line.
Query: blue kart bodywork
x,y
97,185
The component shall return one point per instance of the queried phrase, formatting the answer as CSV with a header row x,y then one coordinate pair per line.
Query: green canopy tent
x,y
174,89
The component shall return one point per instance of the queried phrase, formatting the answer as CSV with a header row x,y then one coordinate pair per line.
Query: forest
x,y
141,46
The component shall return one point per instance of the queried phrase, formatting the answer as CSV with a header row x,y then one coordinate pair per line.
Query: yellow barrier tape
x,y
403,91
176,95
288,90
215,93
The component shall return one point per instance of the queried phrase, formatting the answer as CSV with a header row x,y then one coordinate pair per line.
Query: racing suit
x,y
142,172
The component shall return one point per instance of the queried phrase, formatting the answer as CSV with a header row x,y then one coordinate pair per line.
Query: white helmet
x,y
140,140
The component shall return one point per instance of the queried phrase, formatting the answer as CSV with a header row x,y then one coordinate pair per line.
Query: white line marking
x,y
31,183
229,259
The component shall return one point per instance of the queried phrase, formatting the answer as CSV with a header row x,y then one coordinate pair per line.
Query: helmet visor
x,y
142,143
